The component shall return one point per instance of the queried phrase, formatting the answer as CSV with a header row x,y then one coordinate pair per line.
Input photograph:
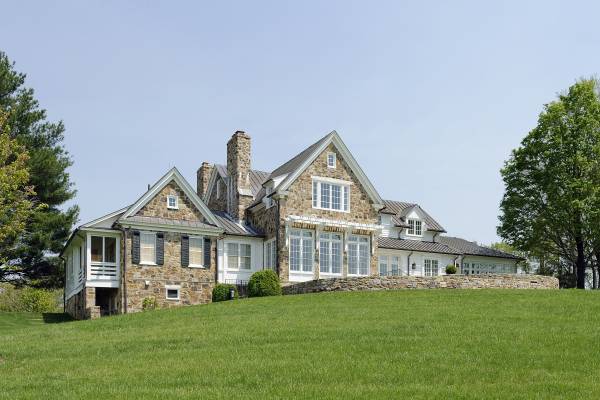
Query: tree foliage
x,y
550,204
32,259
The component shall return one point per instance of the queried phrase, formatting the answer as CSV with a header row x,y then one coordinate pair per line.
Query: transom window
x,y
270,254
172,292
330,253
331,160
358,255
239,256
389,266
148,247
172,202
196,252
301,250
330,196
431,267
415,227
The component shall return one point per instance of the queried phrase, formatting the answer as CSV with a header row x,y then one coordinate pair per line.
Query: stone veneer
x,y
196,283
299,202
157,207
82,305
419,282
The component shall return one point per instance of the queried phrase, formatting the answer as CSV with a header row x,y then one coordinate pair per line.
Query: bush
x,y
149,303
264,283
221,292
28,299
451,269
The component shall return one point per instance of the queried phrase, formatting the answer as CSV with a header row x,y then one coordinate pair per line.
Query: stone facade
x,y
416,282
202,178
157,207
82,305
150,281
217,200
299,202
238,169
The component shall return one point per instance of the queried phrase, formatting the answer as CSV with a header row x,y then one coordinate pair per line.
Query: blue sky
x,y
429,96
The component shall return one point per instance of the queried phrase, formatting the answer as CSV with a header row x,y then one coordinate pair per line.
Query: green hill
x,y
399,344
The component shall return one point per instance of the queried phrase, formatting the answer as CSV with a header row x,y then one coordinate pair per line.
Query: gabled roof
x,y
401,209
106,221
233,227
257,178
172,175
289,171
473,249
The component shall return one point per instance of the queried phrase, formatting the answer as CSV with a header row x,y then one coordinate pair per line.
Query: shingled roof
x,y
400,209
473,249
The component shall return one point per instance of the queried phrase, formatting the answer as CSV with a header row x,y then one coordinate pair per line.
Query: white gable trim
x,y
104,218
334,138
172,175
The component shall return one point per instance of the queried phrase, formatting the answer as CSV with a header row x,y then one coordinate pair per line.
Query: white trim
x,y
201,265
344,194
333,223
415,221
331,180
176,198
173,287
329,154
172,175
104,218
147,233
172,228
302,238
239,244
334,138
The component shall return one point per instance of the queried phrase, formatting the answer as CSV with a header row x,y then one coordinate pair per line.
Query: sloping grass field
x,y
471,344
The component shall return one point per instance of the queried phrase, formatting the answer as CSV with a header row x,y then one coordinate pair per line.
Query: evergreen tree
x,y
33,257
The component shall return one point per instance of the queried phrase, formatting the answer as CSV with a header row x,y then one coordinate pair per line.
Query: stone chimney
x,y
202,177
238,169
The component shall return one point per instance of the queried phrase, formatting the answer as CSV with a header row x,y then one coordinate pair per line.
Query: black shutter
x,y
135,247
207,250
185,250
160,248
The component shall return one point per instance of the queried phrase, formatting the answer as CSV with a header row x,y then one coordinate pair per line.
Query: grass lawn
x,y
469,344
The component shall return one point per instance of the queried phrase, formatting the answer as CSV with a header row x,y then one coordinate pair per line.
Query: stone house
x,y
316,216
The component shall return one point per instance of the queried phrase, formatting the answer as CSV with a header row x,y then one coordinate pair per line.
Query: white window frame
x,y
176,200
239,245
333,157
430,261
296,233
173,287
329,241
414,227
355,241
143,262
317,187
201,239
105,263
270,254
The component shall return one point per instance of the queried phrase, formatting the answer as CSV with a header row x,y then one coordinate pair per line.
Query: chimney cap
x,y
240,133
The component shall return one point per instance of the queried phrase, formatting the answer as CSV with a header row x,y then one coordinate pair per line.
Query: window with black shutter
x,y
207,250
160,248
135,247
185,251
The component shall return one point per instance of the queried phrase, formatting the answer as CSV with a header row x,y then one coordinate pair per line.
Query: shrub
x,y
149,303
221,292
264,283
29,299
451,269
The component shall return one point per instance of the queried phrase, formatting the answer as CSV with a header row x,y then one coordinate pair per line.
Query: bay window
x,y
301,250
330,253
332,195
358,255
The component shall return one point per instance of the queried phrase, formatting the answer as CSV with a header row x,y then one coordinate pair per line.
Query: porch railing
x,y
104,272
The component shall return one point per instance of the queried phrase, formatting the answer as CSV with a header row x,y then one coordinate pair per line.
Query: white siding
x,y
230,275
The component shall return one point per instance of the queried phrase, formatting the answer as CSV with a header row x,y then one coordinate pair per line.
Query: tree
x,y
33,258
551,181
16,204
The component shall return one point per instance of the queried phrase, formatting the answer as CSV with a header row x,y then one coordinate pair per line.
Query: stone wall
x,y
196,283
83,304
299,202
218,203
157,207
418,282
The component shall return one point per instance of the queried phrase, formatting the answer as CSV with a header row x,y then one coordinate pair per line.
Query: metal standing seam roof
x,y
167,221
235,228
415,245
471,248
257,178
400,208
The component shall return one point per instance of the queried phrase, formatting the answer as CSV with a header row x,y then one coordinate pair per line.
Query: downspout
x,y
124,270
277,226
408,264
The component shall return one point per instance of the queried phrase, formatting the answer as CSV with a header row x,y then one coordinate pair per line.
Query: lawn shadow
x,y
56,318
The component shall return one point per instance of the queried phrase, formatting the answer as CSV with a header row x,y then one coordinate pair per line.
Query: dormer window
x,y
331,160
269,202
172,202
415,227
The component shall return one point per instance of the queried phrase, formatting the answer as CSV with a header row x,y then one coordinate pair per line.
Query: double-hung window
x,y
331,160
301,250
148,248
358,255
415,227
239,256
172,202
330,196
431,267
196,251
270,254
330,253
